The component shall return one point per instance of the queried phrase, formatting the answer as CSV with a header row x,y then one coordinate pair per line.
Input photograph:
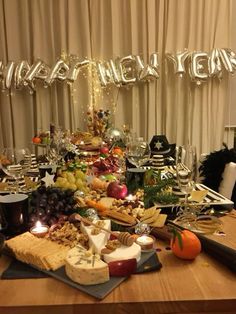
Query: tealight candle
x,y
130,197
39,230
146,242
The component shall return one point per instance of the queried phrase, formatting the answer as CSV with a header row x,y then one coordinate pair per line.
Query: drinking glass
x,y
186,168
15,162
58,148
138,152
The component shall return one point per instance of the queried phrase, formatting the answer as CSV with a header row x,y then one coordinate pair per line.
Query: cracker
x,y
160,221
152,218
149,213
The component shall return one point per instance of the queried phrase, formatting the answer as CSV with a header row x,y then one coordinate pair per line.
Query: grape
x,y
43,196
40,212
49,204
42,189
33,218
69,192
52,220
48,210
43,203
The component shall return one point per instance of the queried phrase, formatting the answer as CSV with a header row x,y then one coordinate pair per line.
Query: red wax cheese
x,y
122,268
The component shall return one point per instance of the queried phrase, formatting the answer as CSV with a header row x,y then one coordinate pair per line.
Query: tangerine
x,y
117,151
36,140
188,247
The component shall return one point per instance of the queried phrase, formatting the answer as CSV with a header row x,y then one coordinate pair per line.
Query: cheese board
x,y
149,261
100,291
84,258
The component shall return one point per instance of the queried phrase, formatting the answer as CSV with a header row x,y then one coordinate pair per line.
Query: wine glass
x,y
186,167
15,162
58,147
138,152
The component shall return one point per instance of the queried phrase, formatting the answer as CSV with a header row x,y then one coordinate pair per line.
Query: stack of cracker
x,y
153,217
39,252
158,162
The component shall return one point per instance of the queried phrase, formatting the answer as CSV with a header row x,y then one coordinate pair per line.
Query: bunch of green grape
x,y
76,180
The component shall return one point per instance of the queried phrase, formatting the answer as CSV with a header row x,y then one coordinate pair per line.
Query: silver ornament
x,y
114,135
142,228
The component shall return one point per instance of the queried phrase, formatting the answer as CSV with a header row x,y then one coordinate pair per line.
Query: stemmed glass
x,y
58,148
15,162
186,168
138,152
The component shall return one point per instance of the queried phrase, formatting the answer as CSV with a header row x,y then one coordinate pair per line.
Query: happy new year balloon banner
x,y
128,70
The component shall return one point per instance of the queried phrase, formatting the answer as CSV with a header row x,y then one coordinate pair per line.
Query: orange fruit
x,y
190,248
117,151
36,140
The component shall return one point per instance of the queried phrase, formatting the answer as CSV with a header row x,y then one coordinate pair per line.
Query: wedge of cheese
x,y
97,241
124,252
86,268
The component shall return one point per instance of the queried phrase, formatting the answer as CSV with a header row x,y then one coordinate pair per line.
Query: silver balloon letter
x,y
214,63
127,70
197,67
74,69
228,58
148,71
178,60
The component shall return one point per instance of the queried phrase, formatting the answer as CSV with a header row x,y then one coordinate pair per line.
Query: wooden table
x,y
199,286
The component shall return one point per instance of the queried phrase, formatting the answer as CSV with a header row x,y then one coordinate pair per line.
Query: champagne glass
x,y
138,152
15,162
186,167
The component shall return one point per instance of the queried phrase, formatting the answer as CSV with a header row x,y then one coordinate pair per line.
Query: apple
x,y
117,190
122,268
104,150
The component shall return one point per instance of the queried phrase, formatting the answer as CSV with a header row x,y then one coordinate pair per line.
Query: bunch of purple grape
x,y
49,205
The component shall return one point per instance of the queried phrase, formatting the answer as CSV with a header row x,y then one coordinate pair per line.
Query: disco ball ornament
x,y
114,135
142,228
91,214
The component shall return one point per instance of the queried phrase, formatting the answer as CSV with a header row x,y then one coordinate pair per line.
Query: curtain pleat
x,y
103,30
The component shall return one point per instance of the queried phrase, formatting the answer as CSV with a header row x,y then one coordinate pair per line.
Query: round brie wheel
x,y
124,252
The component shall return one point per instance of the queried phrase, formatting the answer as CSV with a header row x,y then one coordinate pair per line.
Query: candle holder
x,y
39,231
146,242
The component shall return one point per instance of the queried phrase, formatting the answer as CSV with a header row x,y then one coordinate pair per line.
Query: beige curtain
x,y
106,29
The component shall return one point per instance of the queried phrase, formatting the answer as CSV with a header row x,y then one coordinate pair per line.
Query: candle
x,y
130,197
39,230
146,242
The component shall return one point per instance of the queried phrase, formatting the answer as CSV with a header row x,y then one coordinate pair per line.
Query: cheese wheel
x,y
124,252
86,268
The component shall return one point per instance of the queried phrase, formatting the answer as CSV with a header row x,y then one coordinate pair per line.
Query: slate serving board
x,y
148,262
